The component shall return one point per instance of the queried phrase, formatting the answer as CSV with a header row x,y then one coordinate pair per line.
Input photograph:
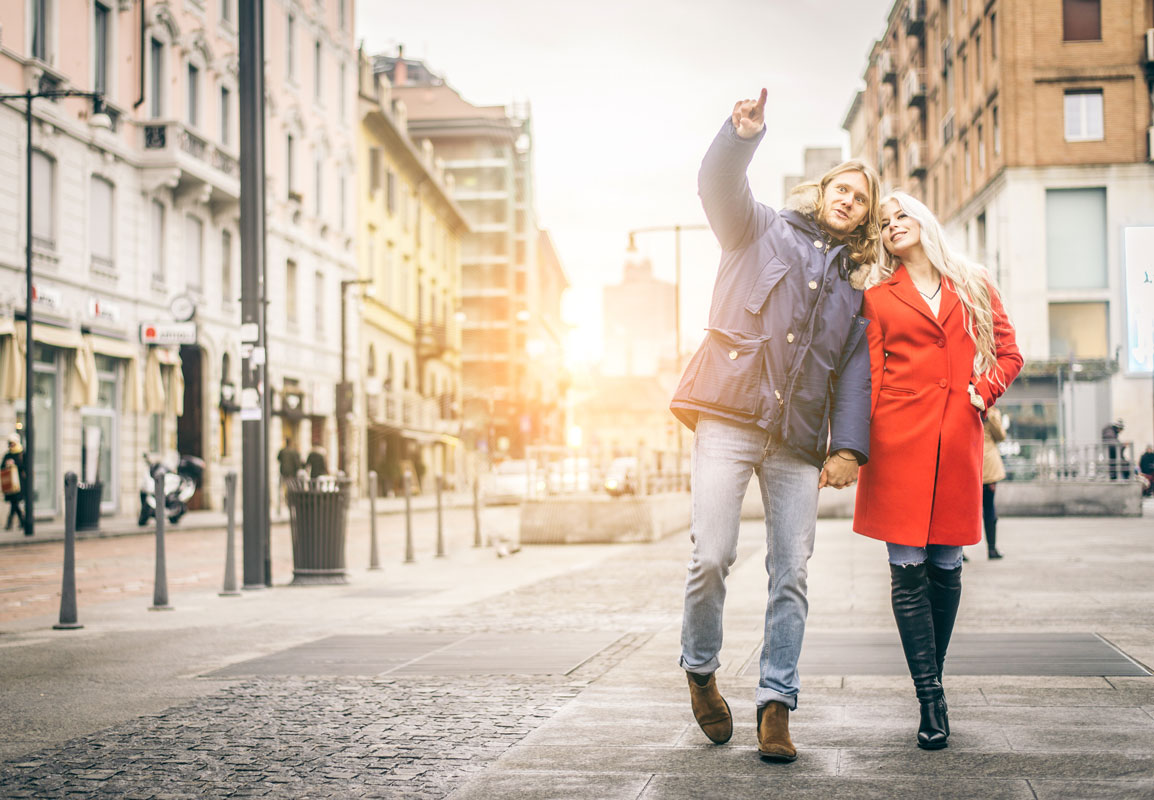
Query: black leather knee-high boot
x,y
945,586
910,596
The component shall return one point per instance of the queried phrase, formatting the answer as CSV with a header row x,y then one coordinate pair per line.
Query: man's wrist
x,y
847,455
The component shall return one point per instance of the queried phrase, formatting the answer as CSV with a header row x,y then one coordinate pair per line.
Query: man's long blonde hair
x,y
972,282
864,242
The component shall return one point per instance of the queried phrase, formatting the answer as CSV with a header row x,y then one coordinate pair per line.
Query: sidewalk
x,y
553,674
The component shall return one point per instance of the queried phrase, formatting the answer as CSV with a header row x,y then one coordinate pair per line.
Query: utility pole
x,y
254,373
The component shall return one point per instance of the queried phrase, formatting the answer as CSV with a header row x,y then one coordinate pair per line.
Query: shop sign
x,y
168,333
47,297
103,310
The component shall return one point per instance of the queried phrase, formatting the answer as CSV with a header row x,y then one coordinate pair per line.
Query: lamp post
x,y
99,119
677,229
344,391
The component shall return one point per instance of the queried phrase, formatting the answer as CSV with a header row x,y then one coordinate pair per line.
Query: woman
x,y
993,470
941,352
15,456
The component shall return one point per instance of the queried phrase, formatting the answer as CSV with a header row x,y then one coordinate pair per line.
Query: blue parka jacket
x,y
785,348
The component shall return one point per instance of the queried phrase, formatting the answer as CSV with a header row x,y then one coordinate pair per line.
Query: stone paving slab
x,y
1092,790
778,786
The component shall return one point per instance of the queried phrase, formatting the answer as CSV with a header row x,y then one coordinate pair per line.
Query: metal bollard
x,y
68,583
230,589
160,583
440,522
374,552
476,512
409,559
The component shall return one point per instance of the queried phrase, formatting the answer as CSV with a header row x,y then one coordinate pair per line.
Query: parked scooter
x,y
179,486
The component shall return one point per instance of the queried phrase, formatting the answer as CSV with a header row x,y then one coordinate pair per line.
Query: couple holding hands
x,y
847,343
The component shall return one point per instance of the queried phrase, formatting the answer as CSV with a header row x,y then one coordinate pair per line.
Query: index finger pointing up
x,y
760,107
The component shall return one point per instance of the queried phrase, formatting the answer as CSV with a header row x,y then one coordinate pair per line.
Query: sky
x,y
626,96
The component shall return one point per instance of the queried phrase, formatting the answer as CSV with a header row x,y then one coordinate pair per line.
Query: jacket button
x,y
789,338
941,343
817,243
813,284
777,394
732,354
942,383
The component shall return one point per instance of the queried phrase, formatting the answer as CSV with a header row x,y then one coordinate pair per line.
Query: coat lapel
x,y
903,288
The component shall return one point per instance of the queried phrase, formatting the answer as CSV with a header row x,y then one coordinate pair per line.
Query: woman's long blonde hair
x,y
972,282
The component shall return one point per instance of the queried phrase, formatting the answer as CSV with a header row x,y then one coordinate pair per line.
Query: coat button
x,y
777,394
942,383
789,338
813,284
941,342
732,354
817,243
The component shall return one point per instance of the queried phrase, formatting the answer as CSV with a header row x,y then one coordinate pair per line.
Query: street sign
x,y
168,333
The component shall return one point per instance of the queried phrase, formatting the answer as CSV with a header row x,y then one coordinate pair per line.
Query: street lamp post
x,y
99,119
677,229
344,392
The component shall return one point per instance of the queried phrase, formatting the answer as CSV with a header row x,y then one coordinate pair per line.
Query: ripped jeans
x,y
942,556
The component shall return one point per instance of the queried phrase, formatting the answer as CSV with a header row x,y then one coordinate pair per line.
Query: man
x,y
780,387
289,461
1115,451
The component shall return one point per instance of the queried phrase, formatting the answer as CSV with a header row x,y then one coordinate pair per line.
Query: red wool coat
x,y
923,482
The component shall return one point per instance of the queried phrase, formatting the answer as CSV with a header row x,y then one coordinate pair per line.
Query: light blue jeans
x,y
725,455
942,556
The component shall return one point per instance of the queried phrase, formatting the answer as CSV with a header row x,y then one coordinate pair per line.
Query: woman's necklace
x,y
935,294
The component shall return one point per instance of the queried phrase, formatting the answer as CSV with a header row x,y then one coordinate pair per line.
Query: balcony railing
x,y
916,159
411,411
169,143
914,17
914,87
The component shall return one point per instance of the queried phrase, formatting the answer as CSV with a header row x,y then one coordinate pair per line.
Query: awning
x,y
11,368
116,348
85,383
7,327
153,384
52,336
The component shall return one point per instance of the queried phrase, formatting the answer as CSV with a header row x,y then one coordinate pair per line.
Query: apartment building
x,y
136,247
409,249
511,278
1026,126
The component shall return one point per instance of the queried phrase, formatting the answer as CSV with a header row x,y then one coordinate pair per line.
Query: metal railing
x,y
1040,460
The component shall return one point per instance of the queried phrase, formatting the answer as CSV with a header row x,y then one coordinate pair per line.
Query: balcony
x,y
177,157
888,131
432,340
916,159
886,69
914,17
914,87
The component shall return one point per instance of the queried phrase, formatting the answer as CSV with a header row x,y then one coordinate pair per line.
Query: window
x,y
319,185
226,291
997,132
1076,238
193,95
1081,20
319,302
1083,115
40,11
978,63
343,13
100,15
965,76
391,193
966,171
318,59
43,200
156,240
225,116
374,169
993,36
194,253
288,165
226,10
156,88
1079,330
981,147
101,219
342,102
342,202
981,226
289,53
290,291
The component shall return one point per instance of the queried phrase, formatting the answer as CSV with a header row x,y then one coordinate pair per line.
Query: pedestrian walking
x,y
780,388
13,476
316,464
1115,451
288,464
993,470
942,350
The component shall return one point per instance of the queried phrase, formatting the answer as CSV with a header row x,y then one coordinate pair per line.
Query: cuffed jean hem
x,y
766,696
942,556
708,668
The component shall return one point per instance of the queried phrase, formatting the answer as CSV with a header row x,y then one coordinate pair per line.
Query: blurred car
x,y
511,482
621,477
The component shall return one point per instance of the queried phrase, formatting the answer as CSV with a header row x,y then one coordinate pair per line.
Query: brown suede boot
x,y
773,742
710,709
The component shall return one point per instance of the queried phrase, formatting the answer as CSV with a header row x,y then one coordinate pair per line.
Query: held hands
x,y
840,471
749,116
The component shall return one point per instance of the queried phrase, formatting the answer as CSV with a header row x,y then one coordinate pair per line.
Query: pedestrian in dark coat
x,y
15,455
315,463
780,388
942,350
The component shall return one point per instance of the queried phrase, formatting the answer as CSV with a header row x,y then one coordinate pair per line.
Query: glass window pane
x,y
1093,111
1079,330
43,225
1076,238
1073,110
1081,20
101,219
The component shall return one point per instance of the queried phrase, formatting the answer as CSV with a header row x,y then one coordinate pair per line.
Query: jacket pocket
x,y
730,371
897,390
770,274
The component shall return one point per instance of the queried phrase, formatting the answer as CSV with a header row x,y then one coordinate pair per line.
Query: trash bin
x,y
88,506
318,514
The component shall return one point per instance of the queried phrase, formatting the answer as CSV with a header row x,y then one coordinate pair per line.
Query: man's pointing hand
x,y
749,116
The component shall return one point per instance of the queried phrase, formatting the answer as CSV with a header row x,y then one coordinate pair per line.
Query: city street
x,y
552,674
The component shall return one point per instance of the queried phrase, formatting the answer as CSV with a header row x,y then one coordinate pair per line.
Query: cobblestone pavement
x,y
347,737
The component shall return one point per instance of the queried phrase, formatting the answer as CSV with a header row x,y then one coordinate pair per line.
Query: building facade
x,y
1027,127
135,232
513,377
640,337
409,244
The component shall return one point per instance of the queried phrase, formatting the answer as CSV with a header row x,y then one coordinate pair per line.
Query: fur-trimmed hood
x,y
805,200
